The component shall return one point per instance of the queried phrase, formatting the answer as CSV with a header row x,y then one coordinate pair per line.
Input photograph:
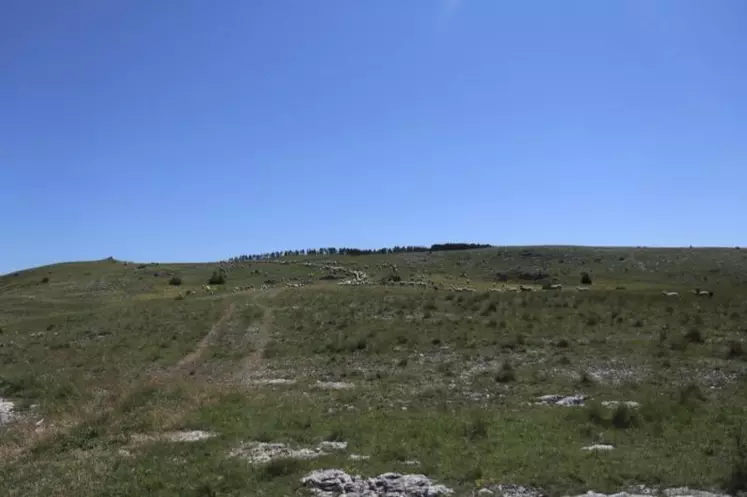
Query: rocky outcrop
x,y
335,482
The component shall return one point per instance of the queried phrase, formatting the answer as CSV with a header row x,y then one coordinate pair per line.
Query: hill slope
x,y
422,362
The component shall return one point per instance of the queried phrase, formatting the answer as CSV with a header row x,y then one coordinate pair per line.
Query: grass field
x,y
103,360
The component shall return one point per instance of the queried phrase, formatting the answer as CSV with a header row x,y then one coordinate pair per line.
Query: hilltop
x,y
142,378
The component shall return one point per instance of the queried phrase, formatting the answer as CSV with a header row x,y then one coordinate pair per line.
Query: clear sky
x,y
197,130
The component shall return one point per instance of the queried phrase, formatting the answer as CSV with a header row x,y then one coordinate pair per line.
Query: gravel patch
x,y
173,436
262,452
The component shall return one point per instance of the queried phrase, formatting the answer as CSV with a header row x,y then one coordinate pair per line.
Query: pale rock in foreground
x,y
335,483
262,453
334,385
668,492
615,403
509,490
598,448
7,411
562,400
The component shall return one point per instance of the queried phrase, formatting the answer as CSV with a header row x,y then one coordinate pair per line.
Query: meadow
x,y
427,362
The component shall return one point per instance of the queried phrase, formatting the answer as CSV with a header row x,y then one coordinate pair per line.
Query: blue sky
x,y
195,130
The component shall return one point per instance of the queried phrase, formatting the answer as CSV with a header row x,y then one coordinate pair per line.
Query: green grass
x,y
105,353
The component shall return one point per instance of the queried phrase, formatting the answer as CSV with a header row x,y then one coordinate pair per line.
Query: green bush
x,y
218,278
506,373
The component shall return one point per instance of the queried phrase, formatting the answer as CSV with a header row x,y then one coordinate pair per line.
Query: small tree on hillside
x,y
585,278
218,278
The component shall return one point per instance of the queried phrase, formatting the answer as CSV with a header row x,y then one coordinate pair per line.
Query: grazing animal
x,y
702,293
671,294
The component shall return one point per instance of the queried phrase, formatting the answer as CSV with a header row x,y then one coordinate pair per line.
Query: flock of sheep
x,y
697,292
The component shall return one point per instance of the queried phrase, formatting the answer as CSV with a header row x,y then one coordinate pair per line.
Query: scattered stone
x,y
598,448
614,403
172,436
509,490
187,436
335,482
274,381
261,452
358,457
562,400
332,446
334,385
7,411
645,492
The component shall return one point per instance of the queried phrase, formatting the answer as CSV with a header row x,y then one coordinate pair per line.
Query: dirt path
x,y
251,365
208,339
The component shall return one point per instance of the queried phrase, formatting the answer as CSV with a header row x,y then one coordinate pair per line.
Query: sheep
x,y
670,294
552,286
702,293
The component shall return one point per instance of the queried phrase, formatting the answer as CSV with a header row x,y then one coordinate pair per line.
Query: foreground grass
x,y
107,355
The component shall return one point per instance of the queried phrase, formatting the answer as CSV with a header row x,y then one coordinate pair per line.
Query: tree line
x,y
436,247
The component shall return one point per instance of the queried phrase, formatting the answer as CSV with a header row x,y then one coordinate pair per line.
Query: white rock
x,y
614,403
562,400
332,445
598,447
187,436
334,385
7,411
334,482
274,381
358,457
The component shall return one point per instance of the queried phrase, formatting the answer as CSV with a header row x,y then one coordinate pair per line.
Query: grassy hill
x,y
425,362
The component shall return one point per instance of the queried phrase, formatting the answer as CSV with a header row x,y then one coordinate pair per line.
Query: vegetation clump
x,y
218,277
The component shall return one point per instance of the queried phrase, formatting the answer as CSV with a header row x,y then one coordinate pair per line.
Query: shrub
x,y
736,481
691,395
175,281
596,414
585,279
488,308
694,336
477,428
279,468
585,378
217,278
736,350
625,417
506,374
